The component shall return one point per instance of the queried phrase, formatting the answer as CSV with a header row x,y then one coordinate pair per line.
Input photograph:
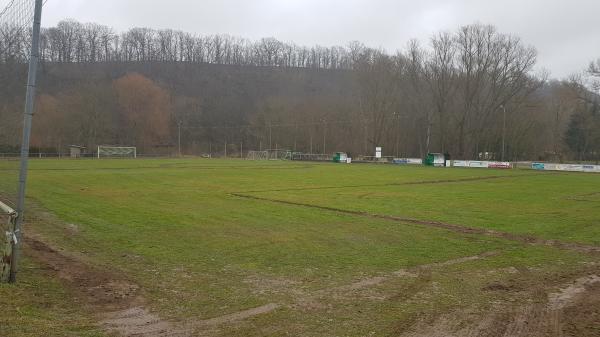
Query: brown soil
x,y
98,287
138,321
571,310
238,316
114,299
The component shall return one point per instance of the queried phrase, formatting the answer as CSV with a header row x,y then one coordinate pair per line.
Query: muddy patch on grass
x,y
138,321
238,316
408,272
366,287
583,317
98,287
571,311
117,301
569,294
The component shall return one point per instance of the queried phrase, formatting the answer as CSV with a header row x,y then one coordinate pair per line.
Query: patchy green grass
x,y
551,206
175,228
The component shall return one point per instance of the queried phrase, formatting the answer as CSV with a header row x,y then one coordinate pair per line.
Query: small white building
x,y
76,151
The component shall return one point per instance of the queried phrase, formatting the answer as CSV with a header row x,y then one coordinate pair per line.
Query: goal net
x,y
117,152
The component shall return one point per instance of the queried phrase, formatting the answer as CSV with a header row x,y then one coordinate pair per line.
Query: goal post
x,y
105,151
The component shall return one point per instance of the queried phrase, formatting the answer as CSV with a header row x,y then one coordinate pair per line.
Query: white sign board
x,y
565,167
408,161
481,164
378,152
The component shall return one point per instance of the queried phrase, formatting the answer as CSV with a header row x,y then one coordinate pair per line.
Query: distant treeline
x,y
72,41
472,93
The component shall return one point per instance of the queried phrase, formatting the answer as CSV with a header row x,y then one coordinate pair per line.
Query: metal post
x,y
179,137
27,120
397,116
503,131
295,137
324,133
241,150
225,149
270,136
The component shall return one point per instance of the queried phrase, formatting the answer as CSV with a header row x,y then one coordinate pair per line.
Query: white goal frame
x,y
117,151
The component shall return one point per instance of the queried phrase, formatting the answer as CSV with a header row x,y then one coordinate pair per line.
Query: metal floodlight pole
x,y
397,145
324,133
270,136
503,130
27,120
179,137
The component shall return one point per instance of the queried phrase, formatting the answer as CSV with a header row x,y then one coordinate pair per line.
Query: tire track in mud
x,y
139,322
551,315
409,272
525,239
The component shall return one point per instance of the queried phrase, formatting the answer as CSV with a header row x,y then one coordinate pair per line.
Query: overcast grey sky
x,y
565,32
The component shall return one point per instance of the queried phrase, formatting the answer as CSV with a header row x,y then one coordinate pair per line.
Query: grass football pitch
x,y
198,247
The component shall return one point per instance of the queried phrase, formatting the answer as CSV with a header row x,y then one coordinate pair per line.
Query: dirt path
x,y
531,240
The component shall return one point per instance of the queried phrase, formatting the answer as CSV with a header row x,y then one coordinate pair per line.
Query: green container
x,y
436,159
340,157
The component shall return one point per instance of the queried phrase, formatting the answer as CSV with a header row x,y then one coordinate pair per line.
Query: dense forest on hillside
x,y
470,92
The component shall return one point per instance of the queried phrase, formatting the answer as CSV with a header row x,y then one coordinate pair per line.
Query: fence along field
x,y
259,248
